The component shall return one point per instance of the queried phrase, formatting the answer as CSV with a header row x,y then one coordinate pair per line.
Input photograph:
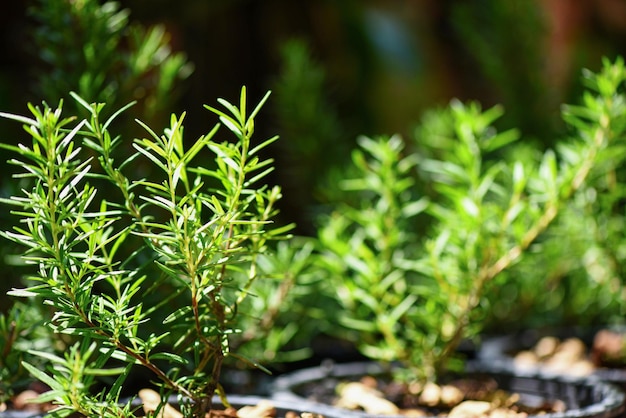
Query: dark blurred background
x,y
339,69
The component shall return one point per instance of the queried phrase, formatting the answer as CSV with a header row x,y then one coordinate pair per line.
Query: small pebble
x,y
546,346
23,401
264,409
431,394
470,409
526,359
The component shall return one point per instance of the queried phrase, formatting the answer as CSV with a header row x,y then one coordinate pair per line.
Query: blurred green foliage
x,y
21,330
92,48
510,65
419,250
340,69
310,128
383,63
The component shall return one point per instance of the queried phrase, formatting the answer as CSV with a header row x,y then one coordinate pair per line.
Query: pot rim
x,y
497,347
608,400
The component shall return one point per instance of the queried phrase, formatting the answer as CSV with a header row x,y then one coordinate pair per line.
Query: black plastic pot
x,y
584,398
502,349
237,401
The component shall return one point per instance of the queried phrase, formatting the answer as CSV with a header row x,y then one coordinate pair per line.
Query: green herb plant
x,y
93,48
426,230
289,305
309,128
94,237
21,330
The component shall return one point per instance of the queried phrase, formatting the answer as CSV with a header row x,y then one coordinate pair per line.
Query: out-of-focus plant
x,y
413,297
205,228
574,274
92,48
21,329
492,34
289,299
366,246
309,127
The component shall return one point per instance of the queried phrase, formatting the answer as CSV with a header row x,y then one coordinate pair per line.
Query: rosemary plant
x,y
413,262
95,235
289,305
21,330
94,48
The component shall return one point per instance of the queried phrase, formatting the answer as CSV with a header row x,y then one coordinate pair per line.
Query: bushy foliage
x,y
93,48
425,233
93,235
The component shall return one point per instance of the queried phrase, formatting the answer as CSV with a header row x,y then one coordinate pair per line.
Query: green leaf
x,y
43,377
470,207
18,118
170,357
358,324
21,293
258,107
237,121
117,113
61,412
116,387
401,309
183,312
105,372
262,145
416,207
231,124
249,362
150,156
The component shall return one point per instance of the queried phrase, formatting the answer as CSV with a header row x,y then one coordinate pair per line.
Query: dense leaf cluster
x,y
425,230
95,234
